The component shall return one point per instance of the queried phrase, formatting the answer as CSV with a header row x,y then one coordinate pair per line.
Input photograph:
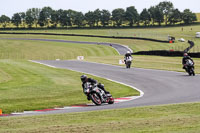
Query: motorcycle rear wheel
x,y
128,64
193,73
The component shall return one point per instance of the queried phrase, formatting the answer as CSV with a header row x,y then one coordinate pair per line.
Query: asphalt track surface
x,y
159,87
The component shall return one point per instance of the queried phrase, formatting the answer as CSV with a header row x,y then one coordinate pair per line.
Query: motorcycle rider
x,y
184,60
127,56
85,79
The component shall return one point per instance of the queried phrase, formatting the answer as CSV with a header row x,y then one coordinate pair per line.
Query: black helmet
x,y
83,78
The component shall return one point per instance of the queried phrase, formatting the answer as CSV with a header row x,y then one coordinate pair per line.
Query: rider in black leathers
x,y
184,60
85,79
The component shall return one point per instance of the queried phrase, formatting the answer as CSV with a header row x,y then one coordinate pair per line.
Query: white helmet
x,y
128,52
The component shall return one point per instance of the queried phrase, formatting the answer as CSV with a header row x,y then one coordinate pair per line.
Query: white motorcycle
x,y
128,61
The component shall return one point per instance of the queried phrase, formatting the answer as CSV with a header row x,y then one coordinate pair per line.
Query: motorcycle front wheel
x,y
111,100
192,71
96,99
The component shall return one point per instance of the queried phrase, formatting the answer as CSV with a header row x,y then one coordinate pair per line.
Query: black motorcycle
x,y
189,67
97,95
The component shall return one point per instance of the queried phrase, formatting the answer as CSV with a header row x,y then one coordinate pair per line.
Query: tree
x,y
152,12
16,19
54,18
29,18
23,16
42,20
118,15
175,16
159,17
132,15
78,19
4,20
166,7
97,16
188,17
105,17
145,16
35,15
64,18
45,16
71,15
59,14
89,17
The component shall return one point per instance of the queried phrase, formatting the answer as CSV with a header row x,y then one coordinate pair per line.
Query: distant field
x,y
157,33
24,49
135,45
186,32
39,50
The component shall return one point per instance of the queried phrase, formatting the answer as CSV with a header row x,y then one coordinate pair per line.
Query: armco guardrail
x,y
166,53
115,37
160,53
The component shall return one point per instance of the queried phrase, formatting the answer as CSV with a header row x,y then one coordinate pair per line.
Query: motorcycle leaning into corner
x,y
97,95
189,67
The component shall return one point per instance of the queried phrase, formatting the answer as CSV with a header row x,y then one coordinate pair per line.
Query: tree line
x,y
164,12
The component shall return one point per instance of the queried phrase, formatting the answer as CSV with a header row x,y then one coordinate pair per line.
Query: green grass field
x,y
178,118
19,49
15,52
28,86
188,33
157,33
135,45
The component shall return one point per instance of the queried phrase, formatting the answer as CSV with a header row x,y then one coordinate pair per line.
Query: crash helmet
x,y
83,78
185,54
128,52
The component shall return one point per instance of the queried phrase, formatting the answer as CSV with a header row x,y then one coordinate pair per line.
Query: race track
x,y
159,87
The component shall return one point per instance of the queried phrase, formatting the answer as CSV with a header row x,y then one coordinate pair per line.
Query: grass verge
x,y
176,118
29,86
